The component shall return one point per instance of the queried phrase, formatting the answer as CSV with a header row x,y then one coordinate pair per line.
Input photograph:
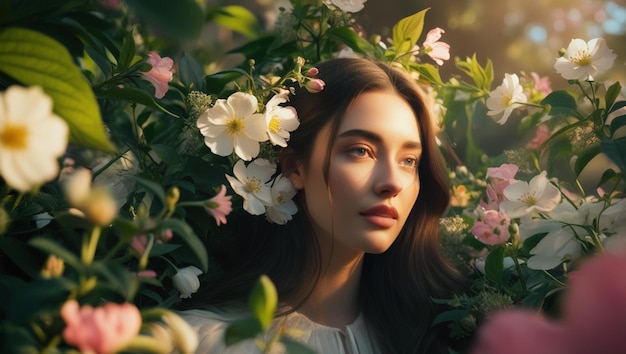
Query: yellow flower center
x,y
274,125
14,136
582,58
506,100
528,198
234,126
253,185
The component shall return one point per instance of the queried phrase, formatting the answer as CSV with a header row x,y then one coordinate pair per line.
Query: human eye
x,y
359,151
410,162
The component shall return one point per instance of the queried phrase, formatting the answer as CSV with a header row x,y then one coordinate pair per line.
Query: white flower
x,y
280,120
556,247
521,198
283,207
505,98
233,124
251,183
186,281
349,5
584,60
32,137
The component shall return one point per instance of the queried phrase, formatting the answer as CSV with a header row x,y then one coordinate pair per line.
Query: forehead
x,y
382,112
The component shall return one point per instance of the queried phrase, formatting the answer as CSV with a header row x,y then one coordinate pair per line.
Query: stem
x,y
558,282
90,243
518,268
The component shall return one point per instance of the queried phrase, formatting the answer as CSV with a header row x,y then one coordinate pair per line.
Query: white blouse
x,y
351,339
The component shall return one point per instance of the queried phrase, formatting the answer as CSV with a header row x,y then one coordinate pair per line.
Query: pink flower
x,y
541,135
499,178
314,85
220,206
594,317
147,273
438,51
493,229
161,73
542,84
139,244
100,330
505,172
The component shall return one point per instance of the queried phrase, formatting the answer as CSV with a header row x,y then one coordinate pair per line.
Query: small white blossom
x,y
524,197
282,207
584,60
280,120
348,5
505,98
186,281
233,124
32,137
251,182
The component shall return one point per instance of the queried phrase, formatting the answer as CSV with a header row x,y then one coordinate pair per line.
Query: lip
x,y
381,215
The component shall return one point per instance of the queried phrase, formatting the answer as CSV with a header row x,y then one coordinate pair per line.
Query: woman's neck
x,y
334,301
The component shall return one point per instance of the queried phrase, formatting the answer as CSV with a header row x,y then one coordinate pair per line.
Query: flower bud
x,y
101,208
313,71
186,281
314,85
53,268
185,338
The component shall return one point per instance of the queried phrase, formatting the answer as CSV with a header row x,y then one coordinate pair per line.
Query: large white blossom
x,y
32,137
584,60
283,207
348,5
280,120
505,98
233,124
522,198
251,182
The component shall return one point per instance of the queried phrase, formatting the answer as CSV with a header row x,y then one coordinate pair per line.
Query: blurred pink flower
x,y
161,73
493,228
139,244
220,206
438,51
594,317
541,135
314,85
100,330
542,84
499,178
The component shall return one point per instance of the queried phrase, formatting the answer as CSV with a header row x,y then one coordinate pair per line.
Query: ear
x,y
292,167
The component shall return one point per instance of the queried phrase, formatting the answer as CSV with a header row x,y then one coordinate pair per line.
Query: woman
x,y
358,266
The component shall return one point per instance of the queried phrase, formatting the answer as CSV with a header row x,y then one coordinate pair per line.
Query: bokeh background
x,y
517,35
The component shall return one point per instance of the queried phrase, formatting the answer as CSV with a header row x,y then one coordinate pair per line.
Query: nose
x,y
389,180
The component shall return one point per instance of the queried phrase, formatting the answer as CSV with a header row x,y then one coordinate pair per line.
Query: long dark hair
x,y
396,286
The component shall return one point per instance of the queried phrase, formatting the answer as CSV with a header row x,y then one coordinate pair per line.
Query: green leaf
x,y
191,73
263,301
181,19
35,59
494,265
184,231
612,93
236,18
350,38
136,95
153,187
615,149
585,157
127,53
617,123
561,102
407,31
293,347
51,247
451,315
430,73
242,329
19,253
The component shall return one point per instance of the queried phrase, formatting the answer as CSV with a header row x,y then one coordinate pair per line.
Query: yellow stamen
x,y
14,136
253,185
234,126
274,125
582,58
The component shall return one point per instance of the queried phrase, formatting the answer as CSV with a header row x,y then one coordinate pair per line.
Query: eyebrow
x,y
369,135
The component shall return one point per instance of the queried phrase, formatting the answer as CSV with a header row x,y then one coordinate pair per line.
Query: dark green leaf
x,y
585,157
128,52
136,95
612,93
184,231
615,149
451,315
294,347
236,18
181,19
561,103
51,247
20,254
242,329
350,38
494,264
191,73
617,123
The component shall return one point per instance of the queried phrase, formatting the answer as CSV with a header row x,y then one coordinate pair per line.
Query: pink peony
x,y
220,206
100,330
541,135
594,317
438,51
493,229
161,73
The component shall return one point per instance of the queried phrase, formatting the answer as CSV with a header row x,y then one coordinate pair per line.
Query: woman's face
x,y
373,181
